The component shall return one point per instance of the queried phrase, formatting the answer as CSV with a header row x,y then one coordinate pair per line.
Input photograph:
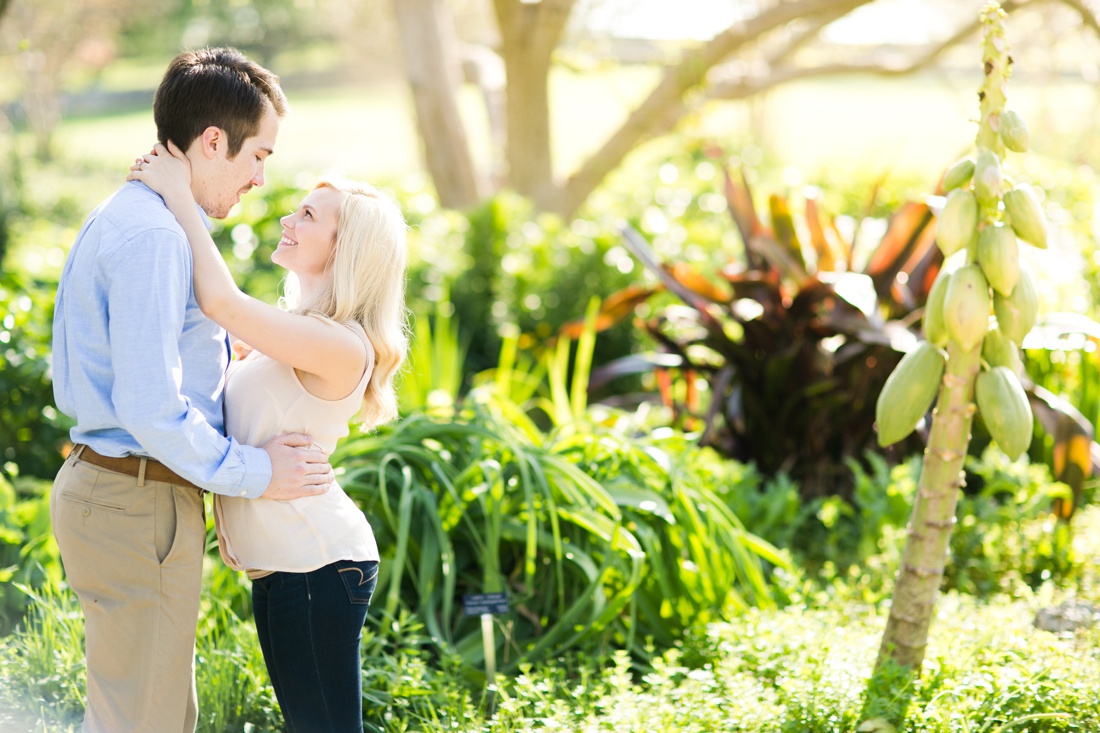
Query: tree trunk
x,y
529,34
433,67
929,532
484,67
41,101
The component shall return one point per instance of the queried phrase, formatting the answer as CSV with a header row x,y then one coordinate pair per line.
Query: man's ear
x,y
211,140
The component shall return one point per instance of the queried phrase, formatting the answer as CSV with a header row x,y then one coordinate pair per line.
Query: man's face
x,y
218,182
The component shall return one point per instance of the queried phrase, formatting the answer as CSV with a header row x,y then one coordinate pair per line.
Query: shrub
x,y
600,531
29,559
1008,535
32,431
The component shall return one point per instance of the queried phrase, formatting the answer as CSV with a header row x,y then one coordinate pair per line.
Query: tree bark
x,y
529,34
432,66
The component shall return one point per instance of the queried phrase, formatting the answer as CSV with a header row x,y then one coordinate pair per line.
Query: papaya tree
x,y
978,312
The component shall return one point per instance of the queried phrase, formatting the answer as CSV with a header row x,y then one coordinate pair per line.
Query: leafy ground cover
x,y
807,670
804,668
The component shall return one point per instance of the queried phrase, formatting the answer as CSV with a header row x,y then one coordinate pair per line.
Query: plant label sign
x,y
478,604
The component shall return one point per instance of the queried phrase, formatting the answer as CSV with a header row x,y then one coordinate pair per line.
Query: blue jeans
x,y
310,626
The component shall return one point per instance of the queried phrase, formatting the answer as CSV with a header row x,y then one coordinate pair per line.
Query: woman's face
x,y
309,235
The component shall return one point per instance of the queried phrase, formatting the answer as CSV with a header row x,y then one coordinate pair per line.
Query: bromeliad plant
x,y
793,347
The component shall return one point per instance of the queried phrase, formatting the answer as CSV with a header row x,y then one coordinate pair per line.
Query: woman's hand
x,y
167,171
240,348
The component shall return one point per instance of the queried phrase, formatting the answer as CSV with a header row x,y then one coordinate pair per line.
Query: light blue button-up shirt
x,y
135,362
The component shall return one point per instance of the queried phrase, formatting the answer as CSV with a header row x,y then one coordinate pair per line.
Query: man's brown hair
x,y
214,86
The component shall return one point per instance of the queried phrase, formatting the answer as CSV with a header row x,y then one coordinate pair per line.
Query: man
x,y
142,371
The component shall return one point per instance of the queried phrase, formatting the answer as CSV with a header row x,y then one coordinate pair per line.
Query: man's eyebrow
x,y
269,151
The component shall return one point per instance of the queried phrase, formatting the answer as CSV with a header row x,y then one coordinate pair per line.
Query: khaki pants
x,y
133,555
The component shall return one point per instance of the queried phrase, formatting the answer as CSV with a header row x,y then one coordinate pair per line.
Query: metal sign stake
x,y
486,605
490,649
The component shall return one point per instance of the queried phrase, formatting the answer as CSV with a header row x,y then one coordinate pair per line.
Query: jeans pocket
x,y
360,577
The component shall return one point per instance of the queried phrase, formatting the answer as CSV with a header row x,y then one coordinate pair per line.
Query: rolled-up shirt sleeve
x,y
148,292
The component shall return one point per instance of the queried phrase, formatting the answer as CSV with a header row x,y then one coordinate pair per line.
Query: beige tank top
x,y
265,398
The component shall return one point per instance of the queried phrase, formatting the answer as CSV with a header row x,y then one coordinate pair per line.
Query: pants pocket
x,y
360,578
180,526
164,532
83,485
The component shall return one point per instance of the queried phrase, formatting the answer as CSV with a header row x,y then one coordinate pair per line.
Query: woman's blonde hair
x,y
367,285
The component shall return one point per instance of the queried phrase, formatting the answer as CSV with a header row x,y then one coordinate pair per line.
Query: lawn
x,y
906,126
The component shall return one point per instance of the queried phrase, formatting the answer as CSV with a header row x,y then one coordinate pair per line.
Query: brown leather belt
x,y
131,466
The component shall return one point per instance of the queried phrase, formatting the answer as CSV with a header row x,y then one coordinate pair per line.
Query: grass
x,y
364,132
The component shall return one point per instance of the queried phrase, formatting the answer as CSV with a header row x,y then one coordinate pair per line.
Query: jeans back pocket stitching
x,y
363,579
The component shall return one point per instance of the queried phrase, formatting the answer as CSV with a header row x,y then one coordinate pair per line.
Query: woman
x,y
328,358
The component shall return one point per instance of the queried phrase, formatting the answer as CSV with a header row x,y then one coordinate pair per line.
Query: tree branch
x,y
742,88
800,39
1086,13
665,106
694,66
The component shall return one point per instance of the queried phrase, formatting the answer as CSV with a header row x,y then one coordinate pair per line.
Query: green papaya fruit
x,y
908,393
934,328
957,221
999,257
1005,410
999,350
958,175
1025,215
1014,132
966,306
988,179
1016,312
